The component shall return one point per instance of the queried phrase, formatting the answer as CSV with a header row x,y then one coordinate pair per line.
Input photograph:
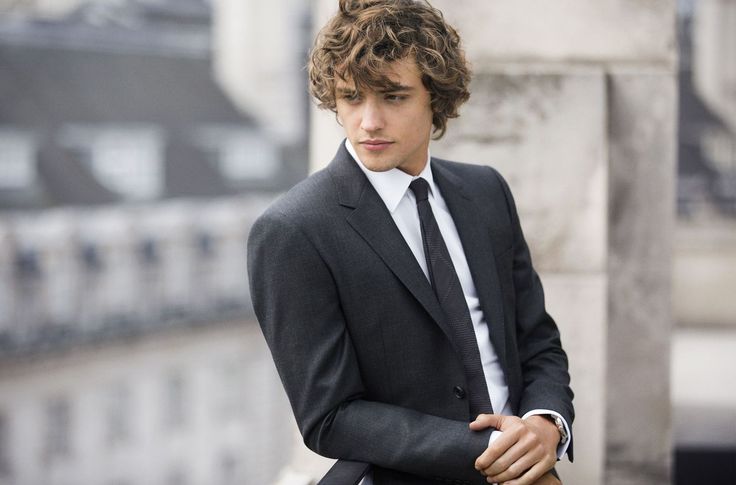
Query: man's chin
x,y
376,164
379,168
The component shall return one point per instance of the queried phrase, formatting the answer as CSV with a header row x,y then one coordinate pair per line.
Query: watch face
x,y
561,428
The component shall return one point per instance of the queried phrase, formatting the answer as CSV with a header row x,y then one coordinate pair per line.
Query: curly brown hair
x,y
365,35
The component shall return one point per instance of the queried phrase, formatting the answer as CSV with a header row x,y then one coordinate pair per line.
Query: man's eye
x,y
395,97
351,97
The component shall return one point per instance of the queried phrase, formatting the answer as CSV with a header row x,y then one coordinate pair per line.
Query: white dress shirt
x,y
393,188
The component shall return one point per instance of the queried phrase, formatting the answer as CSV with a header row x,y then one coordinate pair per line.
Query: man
x,y
395,290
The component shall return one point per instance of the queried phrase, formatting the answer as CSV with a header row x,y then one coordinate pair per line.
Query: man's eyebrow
x,y
399,88
396,89
345,90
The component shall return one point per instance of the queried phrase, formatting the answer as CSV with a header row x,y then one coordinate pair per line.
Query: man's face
x,y
388,128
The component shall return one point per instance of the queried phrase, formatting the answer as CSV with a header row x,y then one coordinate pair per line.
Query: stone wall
x,y
521,121
641,225
258,61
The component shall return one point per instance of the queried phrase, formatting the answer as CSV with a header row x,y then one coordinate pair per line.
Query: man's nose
x,y
372,119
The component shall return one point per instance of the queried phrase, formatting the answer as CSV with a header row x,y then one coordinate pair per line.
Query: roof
x,y
49,86
153,70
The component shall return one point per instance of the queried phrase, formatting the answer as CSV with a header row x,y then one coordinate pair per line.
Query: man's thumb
x,y
484,421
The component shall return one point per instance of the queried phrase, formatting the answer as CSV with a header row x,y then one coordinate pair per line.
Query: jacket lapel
x,y
475,237
371,219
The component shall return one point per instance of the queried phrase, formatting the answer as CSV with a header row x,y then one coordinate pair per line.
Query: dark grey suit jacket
x,y
359,339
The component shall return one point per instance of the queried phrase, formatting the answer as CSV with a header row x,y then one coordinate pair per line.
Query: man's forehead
x,y
395,76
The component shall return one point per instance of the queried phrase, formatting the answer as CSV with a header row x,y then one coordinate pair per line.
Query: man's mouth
x,y
376,145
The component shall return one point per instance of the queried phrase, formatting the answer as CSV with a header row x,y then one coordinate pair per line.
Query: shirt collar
x,y
392,185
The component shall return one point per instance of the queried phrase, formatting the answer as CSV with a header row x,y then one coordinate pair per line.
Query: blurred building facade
x,y
128,182
704,270
707,119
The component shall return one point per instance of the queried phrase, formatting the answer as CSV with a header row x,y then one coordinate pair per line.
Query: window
x,y
57,443
27,264
5,466
125,158
91,258
148,252
175,399
205,245
249,157
229,470
176,477
118,429
241,154
230,401
17,164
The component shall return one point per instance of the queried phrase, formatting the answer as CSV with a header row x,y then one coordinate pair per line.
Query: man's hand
x,y
548,479
525,452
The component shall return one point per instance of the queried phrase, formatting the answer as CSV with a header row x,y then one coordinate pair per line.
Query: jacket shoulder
x,y
483,178
305,201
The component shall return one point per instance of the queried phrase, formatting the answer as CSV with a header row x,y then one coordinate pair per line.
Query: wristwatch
x,y
564,437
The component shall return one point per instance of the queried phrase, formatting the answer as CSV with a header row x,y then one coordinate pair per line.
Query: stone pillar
x,y
258,61
575,103
545,129
642,130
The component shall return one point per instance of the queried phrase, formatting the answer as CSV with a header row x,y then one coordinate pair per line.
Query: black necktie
x,y
446,285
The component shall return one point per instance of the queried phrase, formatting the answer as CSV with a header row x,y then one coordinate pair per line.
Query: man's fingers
x,y
548,479
484,421
518,459
515,471
506,460
537,475
497,449
486,459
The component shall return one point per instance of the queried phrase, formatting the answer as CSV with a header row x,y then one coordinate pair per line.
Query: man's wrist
x,y
543,422
561,447
560,425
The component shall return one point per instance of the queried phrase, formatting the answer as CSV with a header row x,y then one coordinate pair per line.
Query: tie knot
x,y
420,187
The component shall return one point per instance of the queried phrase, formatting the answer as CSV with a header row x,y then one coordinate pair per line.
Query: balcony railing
x,y
75,275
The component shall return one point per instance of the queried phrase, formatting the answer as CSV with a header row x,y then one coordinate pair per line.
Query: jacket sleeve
x,y
544,365
297,304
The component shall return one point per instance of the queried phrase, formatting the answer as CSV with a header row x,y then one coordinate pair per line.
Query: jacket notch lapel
x,y
373,222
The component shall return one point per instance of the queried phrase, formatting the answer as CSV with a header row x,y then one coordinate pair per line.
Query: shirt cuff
x,y
562,447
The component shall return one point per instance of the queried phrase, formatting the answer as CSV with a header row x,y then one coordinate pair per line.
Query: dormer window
x,y
241,154
126,158
17,163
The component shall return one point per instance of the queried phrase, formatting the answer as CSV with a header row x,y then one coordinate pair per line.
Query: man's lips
x,y
376,145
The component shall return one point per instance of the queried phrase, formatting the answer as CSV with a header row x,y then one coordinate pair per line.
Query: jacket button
x,y
459,392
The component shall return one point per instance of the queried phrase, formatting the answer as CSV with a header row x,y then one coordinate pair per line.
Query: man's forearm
x,y
298,307
400,439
